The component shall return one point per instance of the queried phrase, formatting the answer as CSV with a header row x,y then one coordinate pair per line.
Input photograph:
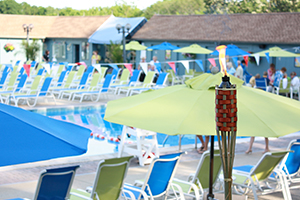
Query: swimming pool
x,y
104,134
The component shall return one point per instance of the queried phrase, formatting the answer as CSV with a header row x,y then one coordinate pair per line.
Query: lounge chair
x,y
55,183
124,78
132,82
261,83
158,180
3,79
103,90
173,79
196,183
247,79
80,72
41,93
108,182
60,80
160,83
248,177
16,89
147,82
11,82
65,85
281,90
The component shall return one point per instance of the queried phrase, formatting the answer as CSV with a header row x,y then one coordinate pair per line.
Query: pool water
x,y
104,134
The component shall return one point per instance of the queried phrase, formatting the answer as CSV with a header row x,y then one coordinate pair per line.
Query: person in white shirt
x,y
152,65
239,73
295,83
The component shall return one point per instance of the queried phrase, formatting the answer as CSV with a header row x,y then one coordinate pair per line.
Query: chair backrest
x,y
125,75
69,67
103,70
261,83
84,78
115,73
45,86
21,83
6,69
284,90
33,64
263,169
95,80
110,177
35,84
149,78
107,82
162,78
40,72
3,78
203,167
61,78
55,183
15,69
160,174
90,69
292,161
247,78
21,72
80,71
69,79
135,76
12,80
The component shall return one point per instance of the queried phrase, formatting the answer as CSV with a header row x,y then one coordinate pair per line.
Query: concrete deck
x,y
21,180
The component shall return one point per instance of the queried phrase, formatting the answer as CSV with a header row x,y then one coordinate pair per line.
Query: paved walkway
x,y
20,180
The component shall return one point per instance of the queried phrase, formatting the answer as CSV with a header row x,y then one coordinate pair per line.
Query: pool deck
x,y
21,180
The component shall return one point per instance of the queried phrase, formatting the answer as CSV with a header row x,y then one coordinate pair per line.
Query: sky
x,y
86,4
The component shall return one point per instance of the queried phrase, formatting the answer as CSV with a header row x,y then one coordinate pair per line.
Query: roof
x,y
248,28
50,26
107,31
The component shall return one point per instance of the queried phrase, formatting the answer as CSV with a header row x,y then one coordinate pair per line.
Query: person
x,y
295,83
46,56
245,72
249,151
278,76
239,73
204,145
252,82
95,58
152,67
284,81
230,69
265,75
142,76
271,72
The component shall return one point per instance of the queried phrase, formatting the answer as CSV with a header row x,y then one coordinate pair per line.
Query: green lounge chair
x,y
173,79
12,81
148,81
109,180
253,178
281,90
199,181
57,90
124,79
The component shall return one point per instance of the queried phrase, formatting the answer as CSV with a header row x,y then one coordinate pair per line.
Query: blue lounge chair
x,y
3,79
158,180
160,83
132,81
61,79
103,90
15,90
42,93
261,83
247,79
55,183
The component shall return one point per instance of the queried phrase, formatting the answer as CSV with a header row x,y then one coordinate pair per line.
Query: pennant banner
x,y
144,67
222,59
114,66
27,69
200,63
246,58
97,67
186,64
47,67
158,67
129,67
172,65
212,61
235,61
268,57
256,56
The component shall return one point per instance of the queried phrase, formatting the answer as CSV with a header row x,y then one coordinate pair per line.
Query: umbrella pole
x,y
210,195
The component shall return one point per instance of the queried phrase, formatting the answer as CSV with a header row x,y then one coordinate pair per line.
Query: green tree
x,y
114,54
9,7
31,50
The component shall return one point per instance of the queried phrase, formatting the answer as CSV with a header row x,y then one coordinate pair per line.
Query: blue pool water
x,y
92,117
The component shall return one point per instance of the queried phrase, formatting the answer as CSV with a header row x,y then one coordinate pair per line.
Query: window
x,y
59,49
85,51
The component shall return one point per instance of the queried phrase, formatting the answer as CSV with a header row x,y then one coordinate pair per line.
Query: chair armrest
x,y
132,197
80,195
128,187
181,196
197,190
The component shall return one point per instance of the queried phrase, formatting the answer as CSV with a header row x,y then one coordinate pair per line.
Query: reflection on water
x,y
105,134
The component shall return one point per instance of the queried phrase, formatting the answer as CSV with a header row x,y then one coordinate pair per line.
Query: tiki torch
x,y
226,119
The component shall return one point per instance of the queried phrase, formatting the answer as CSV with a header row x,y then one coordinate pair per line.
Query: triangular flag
x,y
97,67
200,63
47,67
256,56
144,67
158,67
268,57
246,58
27,69
235,61
129,67
172,65
114,66
186,64
212,61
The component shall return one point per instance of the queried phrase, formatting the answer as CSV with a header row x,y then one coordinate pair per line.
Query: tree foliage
x,y
113,54
31,49
165,7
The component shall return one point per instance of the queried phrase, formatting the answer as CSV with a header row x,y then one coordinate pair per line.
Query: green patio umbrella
x,y
195,49
134,46
190,109
276,52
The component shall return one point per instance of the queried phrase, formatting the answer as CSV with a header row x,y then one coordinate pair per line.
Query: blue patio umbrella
x,y
232,50
29,137
163,46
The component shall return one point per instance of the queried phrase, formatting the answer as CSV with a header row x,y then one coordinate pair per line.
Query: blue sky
x,y
86,4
